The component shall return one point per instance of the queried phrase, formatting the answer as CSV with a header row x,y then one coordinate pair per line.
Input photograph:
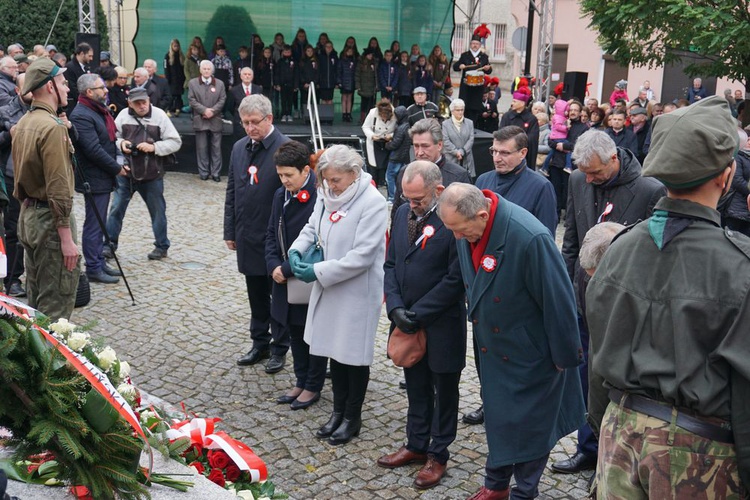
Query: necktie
x,y
247,90
414,227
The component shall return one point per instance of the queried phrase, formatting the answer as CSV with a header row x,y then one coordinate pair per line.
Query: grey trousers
x,y
209,155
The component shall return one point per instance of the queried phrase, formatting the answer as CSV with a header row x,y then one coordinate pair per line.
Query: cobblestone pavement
x,y
190,323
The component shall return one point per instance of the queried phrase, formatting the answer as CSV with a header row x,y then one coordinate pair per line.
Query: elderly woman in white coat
x,y
350,220
458,137
379,126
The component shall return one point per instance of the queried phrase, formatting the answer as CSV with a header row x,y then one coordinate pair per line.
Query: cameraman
x,y
148,139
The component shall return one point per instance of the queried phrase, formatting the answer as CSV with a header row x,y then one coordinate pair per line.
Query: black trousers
x,y
310,370
432,419
287,100
527,475
559,180
349,384
259,296
13,247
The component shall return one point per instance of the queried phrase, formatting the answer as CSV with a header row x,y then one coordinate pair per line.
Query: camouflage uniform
x,y
44,185
645,457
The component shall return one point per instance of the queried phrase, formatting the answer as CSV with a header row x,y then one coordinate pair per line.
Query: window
x,y
494,45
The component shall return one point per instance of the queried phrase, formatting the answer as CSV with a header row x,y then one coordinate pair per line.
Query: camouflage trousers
x,y
51,287
644,457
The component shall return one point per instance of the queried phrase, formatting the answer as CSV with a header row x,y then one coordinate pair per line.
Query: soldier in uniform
x,y
44,186
668,309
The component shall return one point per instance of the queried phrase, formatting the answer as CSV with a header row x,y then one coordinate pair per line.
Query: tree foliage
x,y
28,23
232,23
656,32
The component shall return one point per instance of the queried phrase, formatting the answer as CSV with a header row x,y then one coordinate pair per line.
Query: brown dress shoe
x,y
400,458
430,474
488,494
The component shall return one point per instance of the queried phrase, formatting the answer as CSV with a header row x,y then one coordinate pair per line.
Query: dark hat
x,y
476,38
21,58
693,144
104,55
638,111
137,94
621,84
40,72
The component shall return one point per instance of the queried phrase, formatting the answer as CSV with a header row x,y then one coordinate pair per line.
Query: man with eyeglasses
x,y
424,290
607,186
251,183
207,95
96,155
515,182
521,116
8,74
427,139
44,179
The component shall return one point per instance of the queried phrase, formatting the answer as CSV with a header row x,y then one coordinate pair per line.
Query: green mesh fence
x,y
426,22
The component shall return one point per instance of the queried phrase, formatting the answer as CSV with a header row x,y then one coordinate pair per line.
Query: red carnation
x,y
218,459
217,477
303,196
232,472
198,466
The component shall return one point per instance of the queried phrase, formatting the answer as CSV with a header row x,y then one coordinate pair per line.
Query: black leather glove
x,y
405,320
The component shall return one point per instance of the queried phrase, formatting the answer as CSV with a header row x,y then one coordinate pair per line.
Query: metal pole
x,y
529,33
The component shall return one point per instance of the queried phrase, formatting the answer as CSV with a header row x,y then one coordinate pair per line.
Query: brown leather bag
x,y
406,349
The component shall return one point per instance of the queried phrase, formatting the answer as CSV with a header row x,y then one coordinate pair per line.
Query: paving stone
x,y
190,325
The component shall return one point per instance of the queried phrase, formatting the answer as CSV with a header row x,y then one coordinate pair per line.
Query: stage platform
x,y
339,133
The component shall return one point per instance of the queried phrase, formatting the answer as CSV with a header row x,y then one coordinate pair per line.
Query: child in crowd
x,y
308,74
285,78
404,80
223,69
346,82
264,69
422,75
558,133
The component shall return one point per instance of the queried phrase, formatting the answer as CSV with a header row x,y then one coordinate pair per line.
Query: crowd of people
x,y
637,332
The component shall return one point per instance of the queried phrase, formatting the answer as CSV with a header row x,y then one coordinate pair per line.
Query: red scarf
x,y
478,248
102,110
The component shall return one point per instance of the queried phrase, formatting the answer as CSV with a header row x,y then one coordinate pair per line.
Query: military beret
x,y
40,72
693,144
21,59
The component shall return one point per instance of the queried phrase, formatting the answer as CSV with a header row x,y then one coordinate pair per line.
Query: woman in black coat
x,y
174,71
293,203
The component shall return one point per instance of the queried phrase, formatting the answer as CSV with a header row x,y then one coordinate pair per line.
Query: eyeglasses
x,y
417,202
251,123
503,154
98,88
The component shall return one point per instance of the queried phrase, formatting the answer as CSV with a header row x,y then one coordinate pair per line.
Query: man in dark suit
x,y
238,93
423,289
165,95
611,191
427,139
252,181
97,159
78,66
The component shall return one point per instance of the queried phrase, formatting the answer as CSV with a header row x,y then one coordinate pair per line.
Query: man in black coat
x,y
76,67
165,95
251,185
427,138
622,136
559,175
472,60
613,191
424,290
238,93
96,155
520,116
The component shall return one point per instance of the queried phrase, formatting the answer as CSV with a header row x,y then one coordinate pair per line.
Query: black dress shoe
x,y
16,290
102,277
107,252
253,356
112,271
216,178
301,405
330,426
275,364
474,418
204,177
285,400
577,463
346,431
402,385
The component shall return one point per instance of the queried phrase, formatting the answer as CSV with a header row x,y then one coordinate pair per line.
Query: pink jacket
x,y
559,128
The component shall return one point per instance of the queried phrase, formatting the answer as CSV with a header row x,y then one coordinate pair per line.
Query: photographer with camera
x,y
148,139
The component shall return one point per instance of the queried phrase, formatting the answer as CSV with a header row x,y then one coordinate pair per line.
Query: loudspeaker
x,y
574,85
325,113
93,39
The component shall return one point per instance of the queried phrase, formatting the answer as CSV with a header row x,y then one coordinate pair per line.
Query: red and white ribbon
x,y
427,233
252,171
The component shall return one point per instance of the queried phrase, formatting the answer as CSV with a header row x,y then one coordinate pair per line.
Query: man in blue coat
x,y
523,312
424,289
251,185
96,154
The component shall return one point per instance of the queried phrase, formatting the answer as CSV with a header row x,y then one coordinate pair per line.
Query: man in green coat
x,y
523,312
668,312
